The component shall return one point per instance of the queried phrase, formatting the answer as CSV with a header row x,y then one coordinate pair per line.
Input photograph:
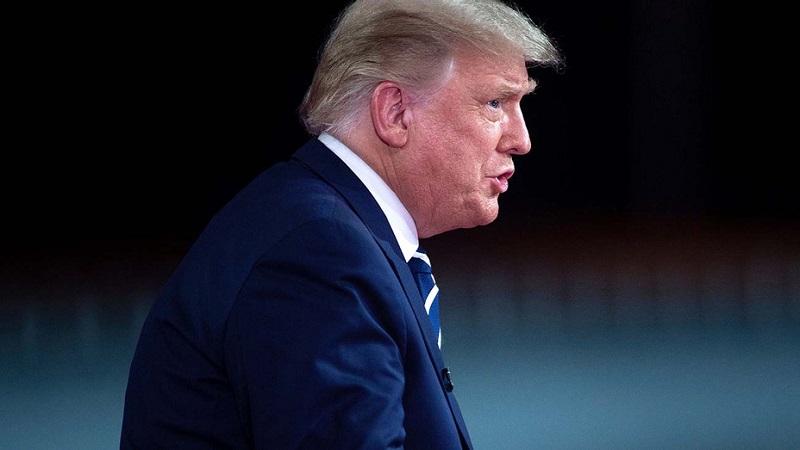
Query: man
x,y
294,321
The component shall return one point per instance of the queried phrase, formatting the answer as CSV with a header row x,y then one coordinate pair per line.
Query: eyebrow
x,y
509,90
532,83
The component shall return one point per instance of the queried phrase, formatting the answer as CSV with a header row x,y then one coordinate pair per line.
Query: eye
x,y
493,103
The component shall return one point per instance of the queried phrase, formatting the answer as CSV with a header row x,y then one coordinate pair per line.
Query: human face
x,y
463,137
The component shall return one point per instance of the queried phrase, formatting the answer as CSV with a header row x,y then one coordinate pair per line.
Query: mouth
x,y
500,181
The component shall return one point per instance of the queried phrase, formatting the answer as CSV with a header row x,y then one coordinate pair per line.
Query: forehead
x,y
504,74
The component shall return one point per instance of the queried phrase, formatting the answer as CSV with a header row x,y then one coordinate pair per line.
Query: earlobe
x,y
388,111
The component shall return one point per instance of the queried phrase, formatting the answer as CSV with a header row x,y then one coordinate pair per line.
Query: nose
x,y
515,139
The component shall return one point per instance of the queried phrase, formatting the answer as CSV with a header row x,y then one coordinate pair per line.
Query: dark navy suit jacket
x,y
292,322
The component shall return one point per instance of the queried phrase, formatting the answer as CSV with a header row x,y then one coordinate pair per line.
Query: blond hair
x,y
411,42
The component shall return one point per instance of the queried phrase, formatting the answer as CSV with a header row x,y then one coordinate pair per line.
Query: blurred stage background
x,y
641,288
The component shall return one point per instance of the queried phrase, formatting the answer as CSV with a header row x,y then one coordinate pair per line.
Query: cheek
x,y
462,170
458,149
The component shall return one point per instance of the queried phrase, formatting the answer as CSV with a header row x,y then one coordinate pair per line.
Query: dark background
x,y
143,123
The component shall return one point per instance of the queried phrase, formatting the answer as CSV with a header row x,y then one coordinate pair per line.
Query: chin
x,y
489,219
488,216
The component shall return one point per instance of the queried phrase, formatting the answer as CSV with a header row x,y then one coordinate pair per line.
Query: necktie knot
x,y
420,263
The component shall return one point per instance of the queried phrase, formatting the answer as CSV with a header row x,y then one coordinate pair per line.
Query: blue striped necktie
x,y
421,269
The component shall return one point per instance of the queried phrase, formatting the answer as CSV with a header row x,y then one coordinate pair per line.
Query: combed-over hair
x,y
411,42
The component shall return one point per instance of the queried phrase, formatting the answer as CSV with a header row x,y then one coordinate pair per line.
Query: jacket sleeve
x,y
315,342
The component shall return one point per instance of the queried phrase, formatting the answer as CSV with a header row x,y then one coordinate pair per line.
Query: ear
x,y
389,113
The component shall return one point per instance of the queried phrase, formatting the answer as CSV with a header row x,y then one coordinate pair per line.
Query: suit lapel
x,y
326,164
318,158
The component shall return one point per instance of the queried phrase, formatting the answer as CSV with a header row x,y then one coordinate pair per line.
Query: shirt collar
x,y
400,220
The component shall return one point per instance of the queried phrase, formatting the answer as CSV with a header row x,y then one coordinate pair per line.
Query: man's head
x,y
428,93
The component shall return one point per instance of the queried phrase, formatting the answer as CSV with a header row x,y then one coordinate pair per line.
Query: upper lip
x,y
505,173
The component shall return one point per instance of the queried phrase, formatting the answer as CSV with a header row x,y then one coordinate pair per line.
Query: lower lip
x,y
501,183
